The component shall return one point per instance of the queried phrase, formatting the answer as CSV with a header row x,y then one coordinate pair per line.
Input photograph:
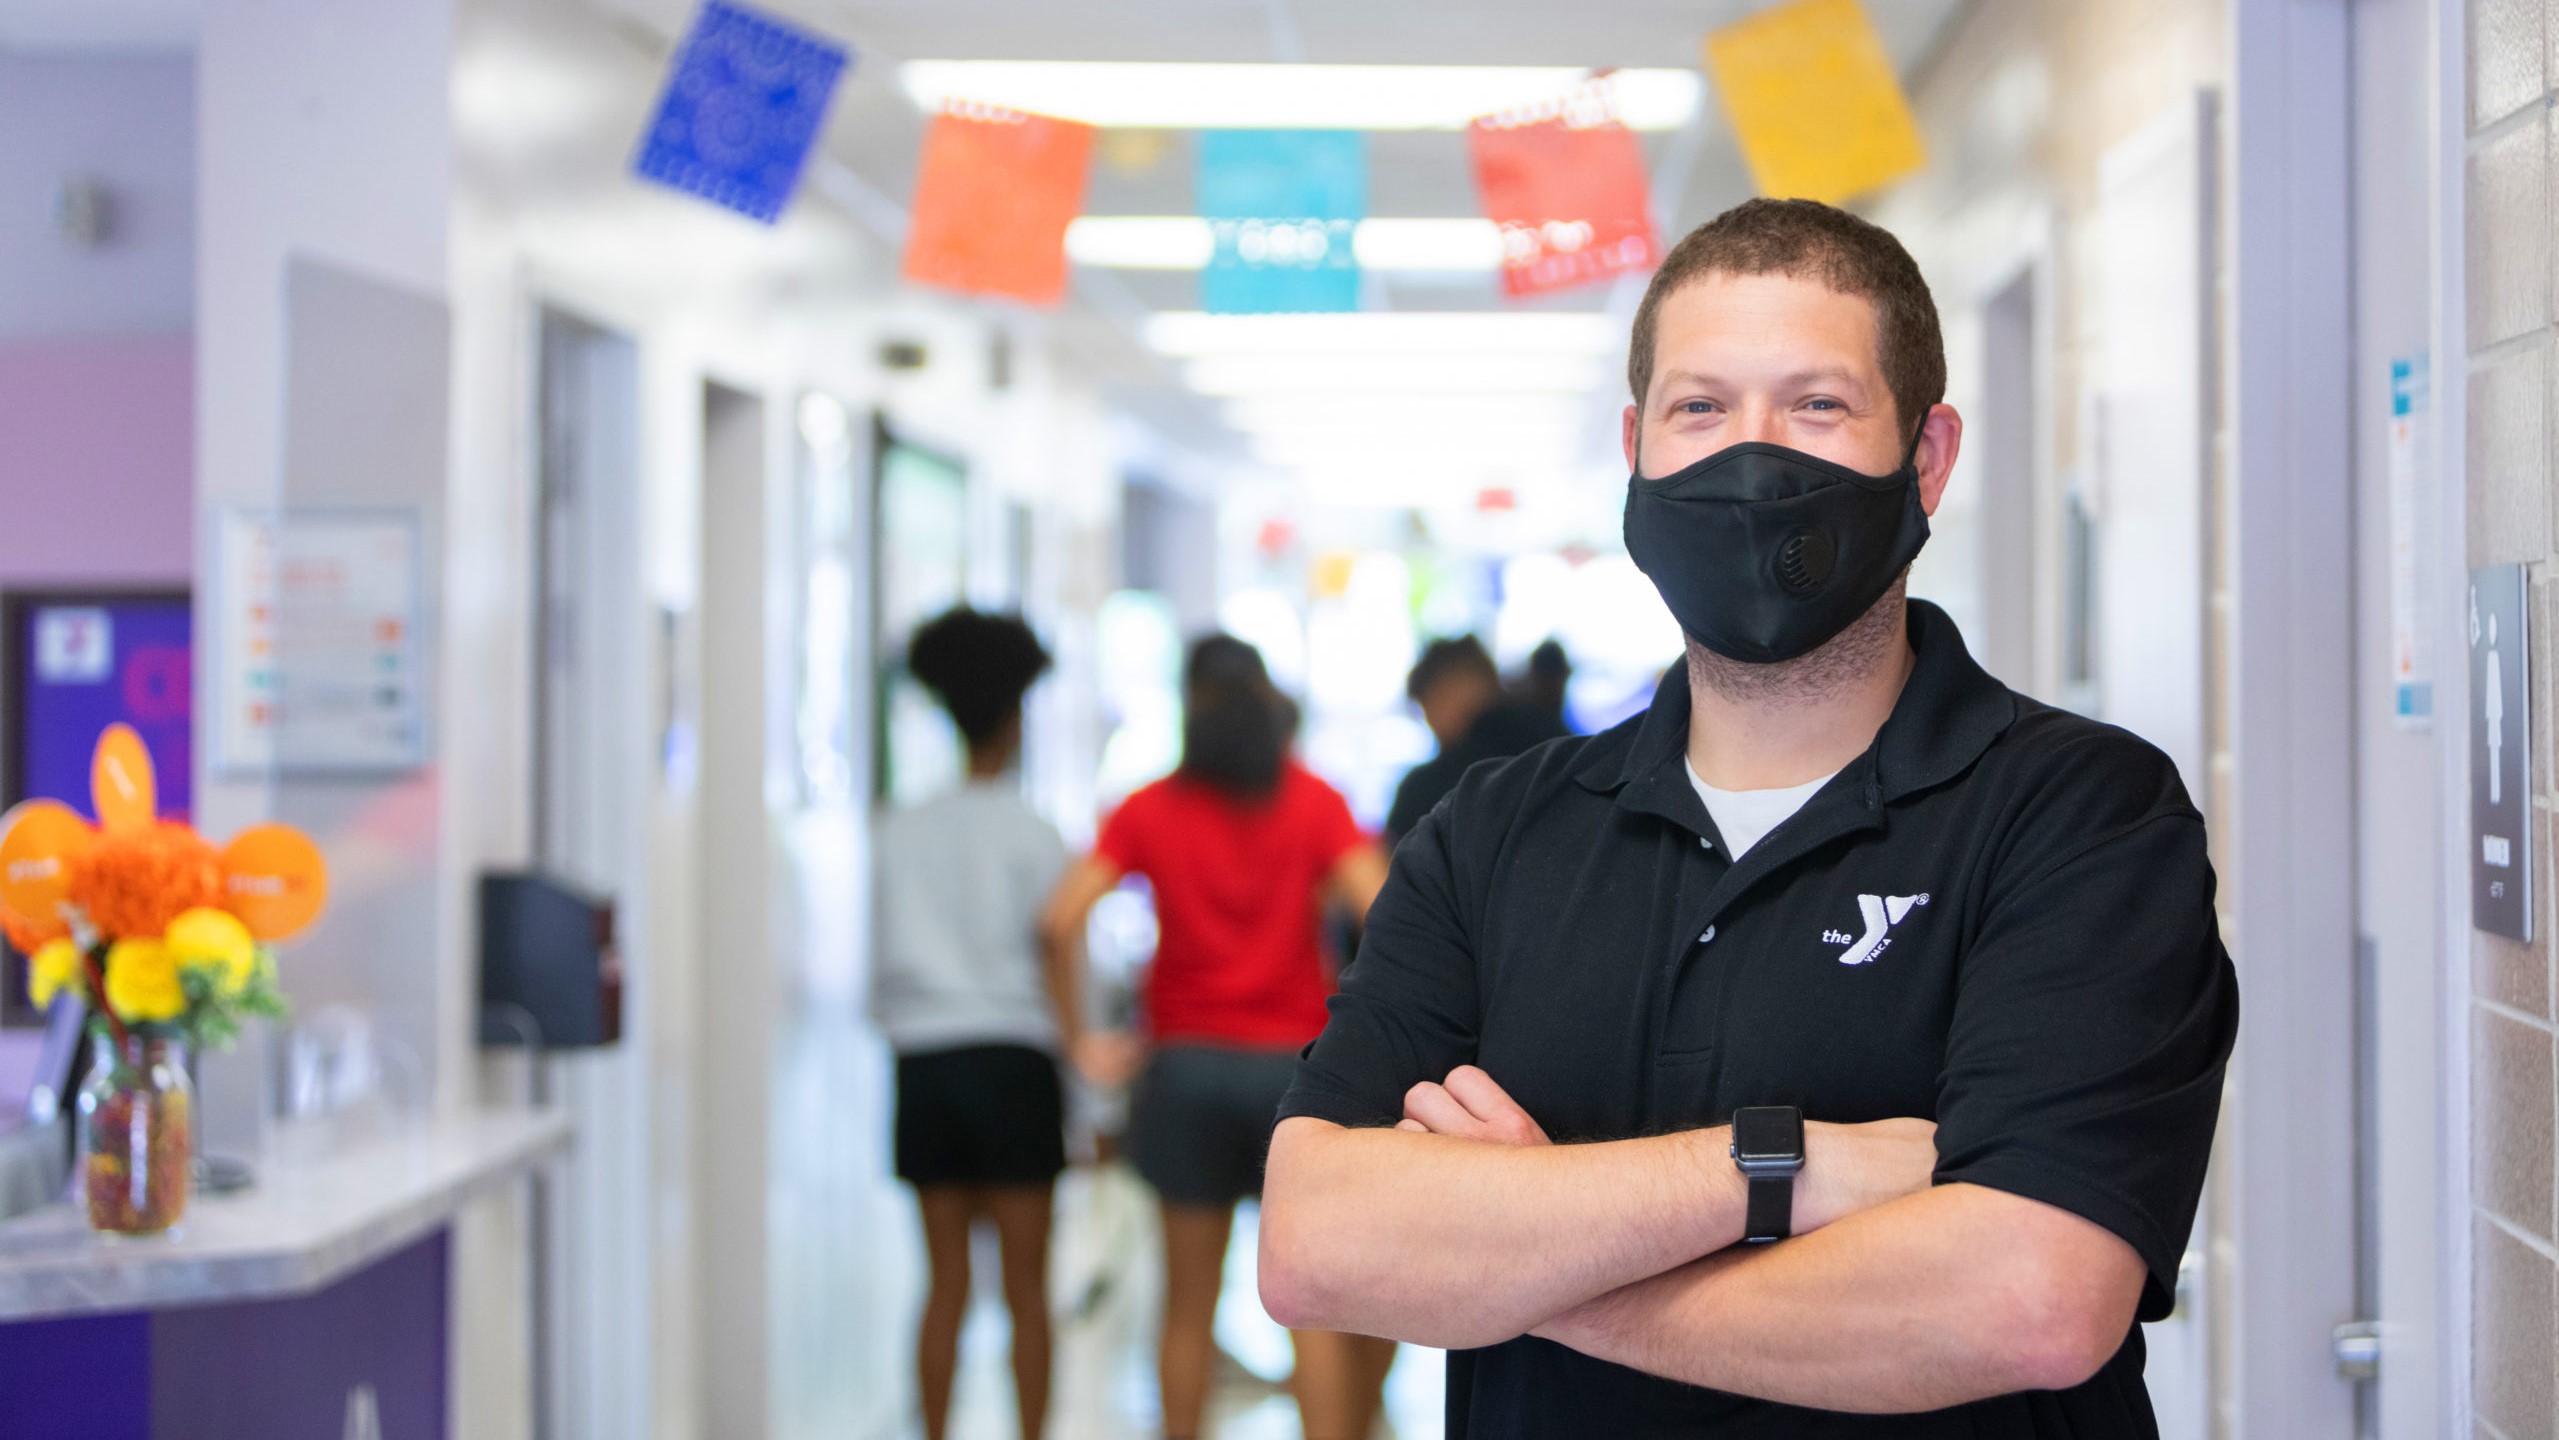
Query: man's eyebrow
x,y
1817,375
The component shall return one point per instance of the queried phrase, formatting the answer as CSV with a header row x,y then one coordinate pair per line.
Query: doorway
x,y
591,1233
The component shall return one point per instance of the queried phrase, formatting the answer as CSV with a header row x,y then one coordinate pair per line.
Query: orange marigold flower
x,y
27,937
134,882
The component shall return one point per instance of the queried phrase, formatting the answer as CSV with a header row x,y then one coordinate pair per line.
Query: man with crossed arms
x,y
1833,1049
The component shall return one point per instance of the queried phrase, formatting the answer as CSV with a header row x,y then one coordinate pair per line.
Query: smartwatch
x,y
1768,1148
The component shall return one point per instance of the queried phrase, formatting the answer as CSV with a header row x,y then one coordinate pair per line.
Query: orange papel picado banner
x,y
1814,101
992,201
1565,182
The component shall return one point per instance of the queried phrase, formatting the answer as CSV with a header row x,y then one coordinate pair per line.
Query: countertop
x,y
307,1222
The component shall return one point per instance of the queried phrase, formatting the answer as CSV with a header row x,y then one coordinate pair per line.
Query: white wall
x,y
129,122
686,1239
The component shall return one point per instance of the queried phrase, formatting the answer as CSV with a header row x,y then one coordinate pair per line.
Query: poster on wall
x,y
317,644
2412,687
919,562
71,664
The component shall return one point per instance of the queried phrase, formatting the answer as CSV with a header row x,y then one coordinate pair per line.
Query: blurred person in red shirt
x,y
1245,850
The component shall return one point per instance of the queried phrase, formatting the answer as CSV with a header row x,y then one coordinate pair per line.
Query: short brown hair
x,y
1811,241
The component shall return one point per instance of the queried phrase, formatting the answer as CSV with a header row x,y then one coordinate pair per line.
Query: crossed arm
x,y
1463,1227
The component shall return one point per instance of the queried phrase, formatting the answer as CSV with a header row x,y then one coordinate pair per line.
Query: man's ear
x,y
1940,438
1628,427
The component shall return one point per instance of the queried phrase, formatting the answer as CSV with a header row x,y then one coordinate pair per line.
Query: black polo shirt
x,y
2048,985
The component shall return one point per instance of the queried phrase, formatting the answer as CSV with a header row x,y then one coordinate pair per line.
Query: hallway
x,y
1105,1282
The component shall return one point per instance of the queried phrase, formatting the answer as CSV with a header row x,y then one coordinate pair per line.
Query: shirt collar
x,y
1949,712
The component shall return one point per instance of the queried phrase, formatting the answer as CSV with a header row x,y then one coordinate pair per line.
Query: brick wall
x,y
2513,516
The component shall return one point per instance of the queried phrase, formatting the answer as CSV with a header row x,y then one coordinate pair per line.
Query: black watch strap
x,y
1770,1214
1768,1148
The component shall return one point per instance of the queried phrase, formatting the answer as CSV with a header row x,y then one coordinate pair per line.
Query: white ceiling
x,y
875,132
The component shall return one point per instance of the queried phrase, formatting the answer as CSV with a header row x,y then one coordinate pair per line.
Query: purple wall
x,y
89,1375
259,1368
97,486
97,480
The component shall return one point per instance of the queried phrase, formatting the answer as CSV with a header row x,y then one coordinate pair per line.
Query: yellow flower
x,y
55,964
214,940
142,982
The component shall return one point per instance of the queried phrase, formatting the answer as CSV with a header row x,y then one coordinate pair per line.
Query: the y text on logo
x,y
1880,914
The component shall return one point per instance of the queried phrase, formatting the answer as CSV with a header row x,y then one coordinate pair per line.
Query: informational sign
x,y
2412,690
1565,182
1814,101
318,647
992,200
2501,857
1282,207
744,99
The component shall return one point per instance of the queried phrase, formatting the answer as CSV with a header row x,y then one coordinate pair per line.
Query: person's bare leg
x,y
1372,1358
947,1211
1194,1263
1022,1218
1337,1383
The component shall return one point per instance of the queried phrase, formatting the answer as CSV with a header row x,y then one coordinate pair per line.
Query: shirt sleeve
x,y
1336,830
1407,1011
1122,840
2093,1019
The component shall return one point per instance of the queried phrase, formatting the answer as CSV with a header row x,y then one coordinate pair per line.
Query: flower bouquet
x,y
164,939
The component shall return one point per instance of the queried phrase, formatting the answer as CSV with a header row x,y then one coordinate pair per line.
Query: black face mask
x,y
1764,553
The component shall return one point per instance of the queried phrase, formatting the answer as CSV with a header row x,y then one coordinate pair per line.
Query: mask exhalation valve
x,y
1804,560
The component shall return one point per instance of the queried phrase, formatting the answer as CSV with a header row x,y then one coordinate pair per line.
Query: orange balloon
x,y
122,783
38,842
274,879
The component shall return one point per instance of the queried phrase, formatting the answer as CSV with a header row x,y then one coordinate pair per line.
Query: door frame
x,y
2290,673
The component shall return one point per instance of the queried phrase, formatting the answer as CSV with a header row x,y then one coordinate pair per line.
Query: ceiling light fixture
x,y
1371,376
1414,414
1548,333
1150,95
1184,242
1537,451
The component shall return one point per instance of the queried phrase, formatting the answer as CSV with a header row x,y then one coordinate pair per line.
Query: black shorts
x,y
1201,1124
980,1115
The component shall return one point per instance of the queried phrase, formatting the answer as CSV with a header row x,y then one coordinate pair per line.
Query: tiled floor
x,y
1105,1280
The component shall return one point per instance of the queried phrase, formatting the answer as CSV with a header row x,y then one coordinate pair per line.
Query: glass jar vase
x,y
137,1135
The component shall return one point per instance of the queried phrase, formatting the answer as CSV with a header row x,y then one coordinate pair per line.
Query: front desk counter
x,y
314,1304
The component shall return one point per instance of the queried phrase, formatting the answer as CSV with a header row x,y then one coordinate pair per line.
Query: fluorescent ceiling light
x,y
1184,242
1375,375
1540,451
1413,414
1160,96
1413,244
1140,242
1562,333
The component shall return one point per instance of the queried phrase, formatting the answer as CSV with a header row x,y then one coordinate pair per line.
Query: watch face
x,y
1768,1133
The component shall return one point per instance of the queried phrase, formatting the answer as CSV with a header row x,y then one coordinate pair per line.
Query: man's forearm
x,y
1936,1299
1456,1243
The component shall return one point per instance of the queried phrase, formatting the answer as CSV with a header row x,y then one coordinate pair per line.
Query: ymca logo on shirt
x,y
1880,914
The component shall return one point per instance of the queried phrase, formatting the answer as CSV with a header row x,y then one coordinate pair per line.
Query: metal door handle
x,y
2357,1345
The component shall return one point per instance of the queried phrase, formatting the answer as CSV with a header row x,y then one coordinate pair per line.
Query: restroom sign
x,y
2501,856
